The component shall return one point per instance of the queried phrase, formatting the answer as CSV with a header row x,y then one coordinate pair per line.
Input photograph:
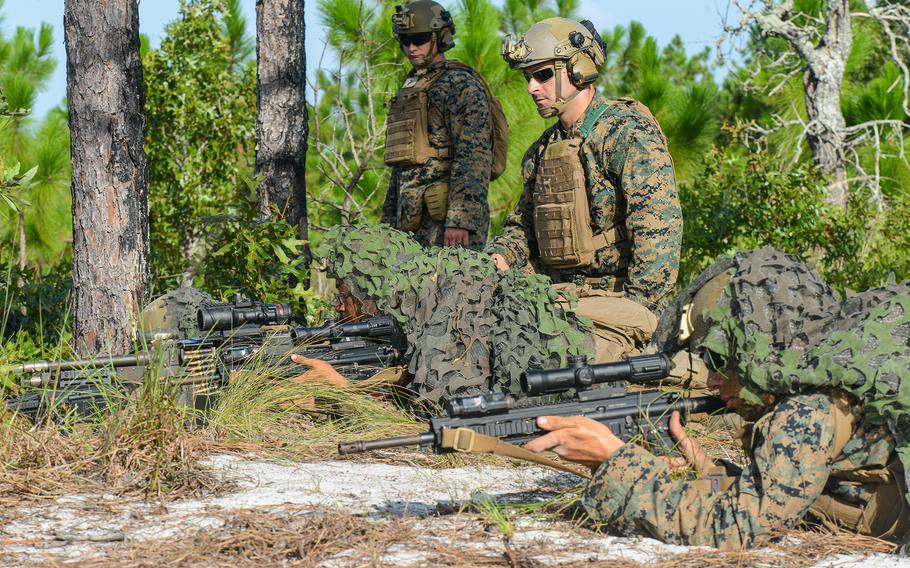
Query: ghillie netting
x,y
784,330
471,328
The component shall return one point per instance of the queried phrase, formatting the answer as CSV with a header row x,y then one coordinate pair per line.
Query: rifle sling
x,y
469,441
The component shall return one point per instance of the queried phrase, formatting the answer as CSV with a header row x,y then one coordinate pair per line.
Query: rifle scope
x,y
222,317
379,326
582,376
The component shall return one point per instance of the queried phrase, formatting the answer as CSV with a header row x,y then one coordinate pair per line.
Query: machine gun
x,y
601,394
357,349
235,334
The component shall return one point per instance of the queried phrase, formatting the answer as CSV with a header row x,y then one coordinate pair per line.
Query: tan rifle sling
x,y
467,440
562,214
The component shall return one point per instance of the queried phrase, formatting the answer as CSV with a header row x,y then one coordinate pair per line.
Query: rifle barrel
x,y
346,448
76,364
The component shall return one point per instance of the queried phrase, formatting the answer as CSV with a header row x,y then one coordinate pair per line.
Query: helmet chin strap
x,y
425,62
557,107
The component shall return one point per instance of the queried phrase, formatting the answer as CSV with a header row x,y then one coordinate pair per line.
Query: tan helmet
x,y
694,322
425,16
574,46
174,313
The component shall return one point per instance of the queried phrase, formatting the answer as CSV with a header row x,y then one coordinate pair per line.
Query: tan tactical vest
x,y
407,136
886,515
562,214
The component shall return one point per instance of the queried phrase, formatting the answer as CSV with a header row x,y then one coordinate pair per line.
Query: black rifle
x,y
632,416
236,333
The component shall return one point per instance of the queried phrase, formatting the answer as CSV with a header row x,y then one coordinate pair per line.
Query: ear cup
x,y
582,70
444,38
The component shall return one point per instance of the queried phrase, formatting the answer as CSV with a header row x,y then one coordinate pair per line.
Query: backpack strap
x,y
844,422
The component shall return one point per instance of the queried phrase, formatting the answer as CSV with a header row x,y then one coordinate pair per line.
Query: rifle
x,y
235,333
632,416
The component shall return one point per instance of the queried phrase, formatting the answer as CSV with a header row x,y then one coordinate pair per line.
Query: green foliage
x,y
678,89
39,201
772,95
742,202
261,259
200,124
34,318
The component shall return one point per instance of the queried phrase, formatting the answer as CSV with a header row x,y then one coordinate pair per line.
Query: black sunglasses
x,y
415,39
541,75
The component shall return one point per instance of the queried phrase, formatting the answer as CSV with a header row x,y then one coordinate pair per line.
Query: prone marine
x,y
826,382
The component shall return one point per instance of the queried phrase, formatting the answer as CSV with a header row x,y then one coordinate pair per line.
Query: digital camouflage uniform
x,y
459,116
628,174
470,328
784,331
633,493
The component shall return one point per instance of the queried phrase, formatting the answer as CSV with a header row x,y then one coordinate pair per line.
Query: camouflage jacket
x,y
791,466
459,115
628,174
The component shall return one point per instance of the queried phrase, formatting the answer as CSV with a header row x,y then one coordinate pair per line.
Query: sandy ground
x,y
84,528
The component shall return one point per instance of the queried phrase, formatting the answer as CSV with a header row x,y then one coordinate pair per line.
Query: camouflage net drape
x,y
784,330
470,327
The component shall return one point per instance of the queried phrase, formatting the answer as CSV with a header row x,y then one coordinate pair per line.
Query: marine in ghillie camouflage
x,y
827,381
784,331
470,327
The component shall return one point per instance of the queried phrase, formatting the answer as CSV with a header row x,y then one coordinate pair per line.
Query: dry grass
x,y
252,538
795,549
142,448
262,408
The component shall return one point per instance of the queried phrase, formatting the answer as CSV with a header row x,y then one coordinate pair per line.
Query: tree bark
x,y
281,113
110,174
826,125
823,80
823,83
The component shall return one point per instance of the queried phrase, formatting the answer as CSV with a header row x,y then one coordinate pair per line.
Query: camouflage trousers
x,y
623,328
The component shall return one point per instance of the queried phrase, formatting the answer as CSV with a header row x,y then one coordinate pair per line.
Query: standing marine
x,y
440,136
827,383
599,213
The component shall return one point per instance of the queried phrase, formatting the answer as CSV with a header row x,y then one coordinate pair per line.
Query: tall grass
x,y
263,405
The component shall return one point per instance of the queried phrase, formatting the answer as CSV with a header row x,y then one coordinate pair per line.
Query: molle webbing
x,y
562,216
407,126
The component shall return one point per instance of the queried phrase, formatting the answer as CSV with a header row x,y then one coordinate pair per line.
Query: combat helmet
x,y
763,292
425,16
174,313
574,46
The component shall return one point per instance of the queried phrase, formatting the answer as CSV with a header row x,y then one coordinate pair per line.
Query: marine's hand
x,y
693,454
319,373
577,439
455,237
500,262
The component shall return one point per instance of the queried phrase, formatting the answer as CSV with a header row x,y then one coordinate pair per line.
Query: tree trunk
x,y
110,175
281,113
823,83
826,125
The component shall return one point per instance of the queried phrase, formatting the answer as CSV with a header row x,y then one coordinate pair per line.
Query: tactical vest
x,y
885,515
407,135
562,214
